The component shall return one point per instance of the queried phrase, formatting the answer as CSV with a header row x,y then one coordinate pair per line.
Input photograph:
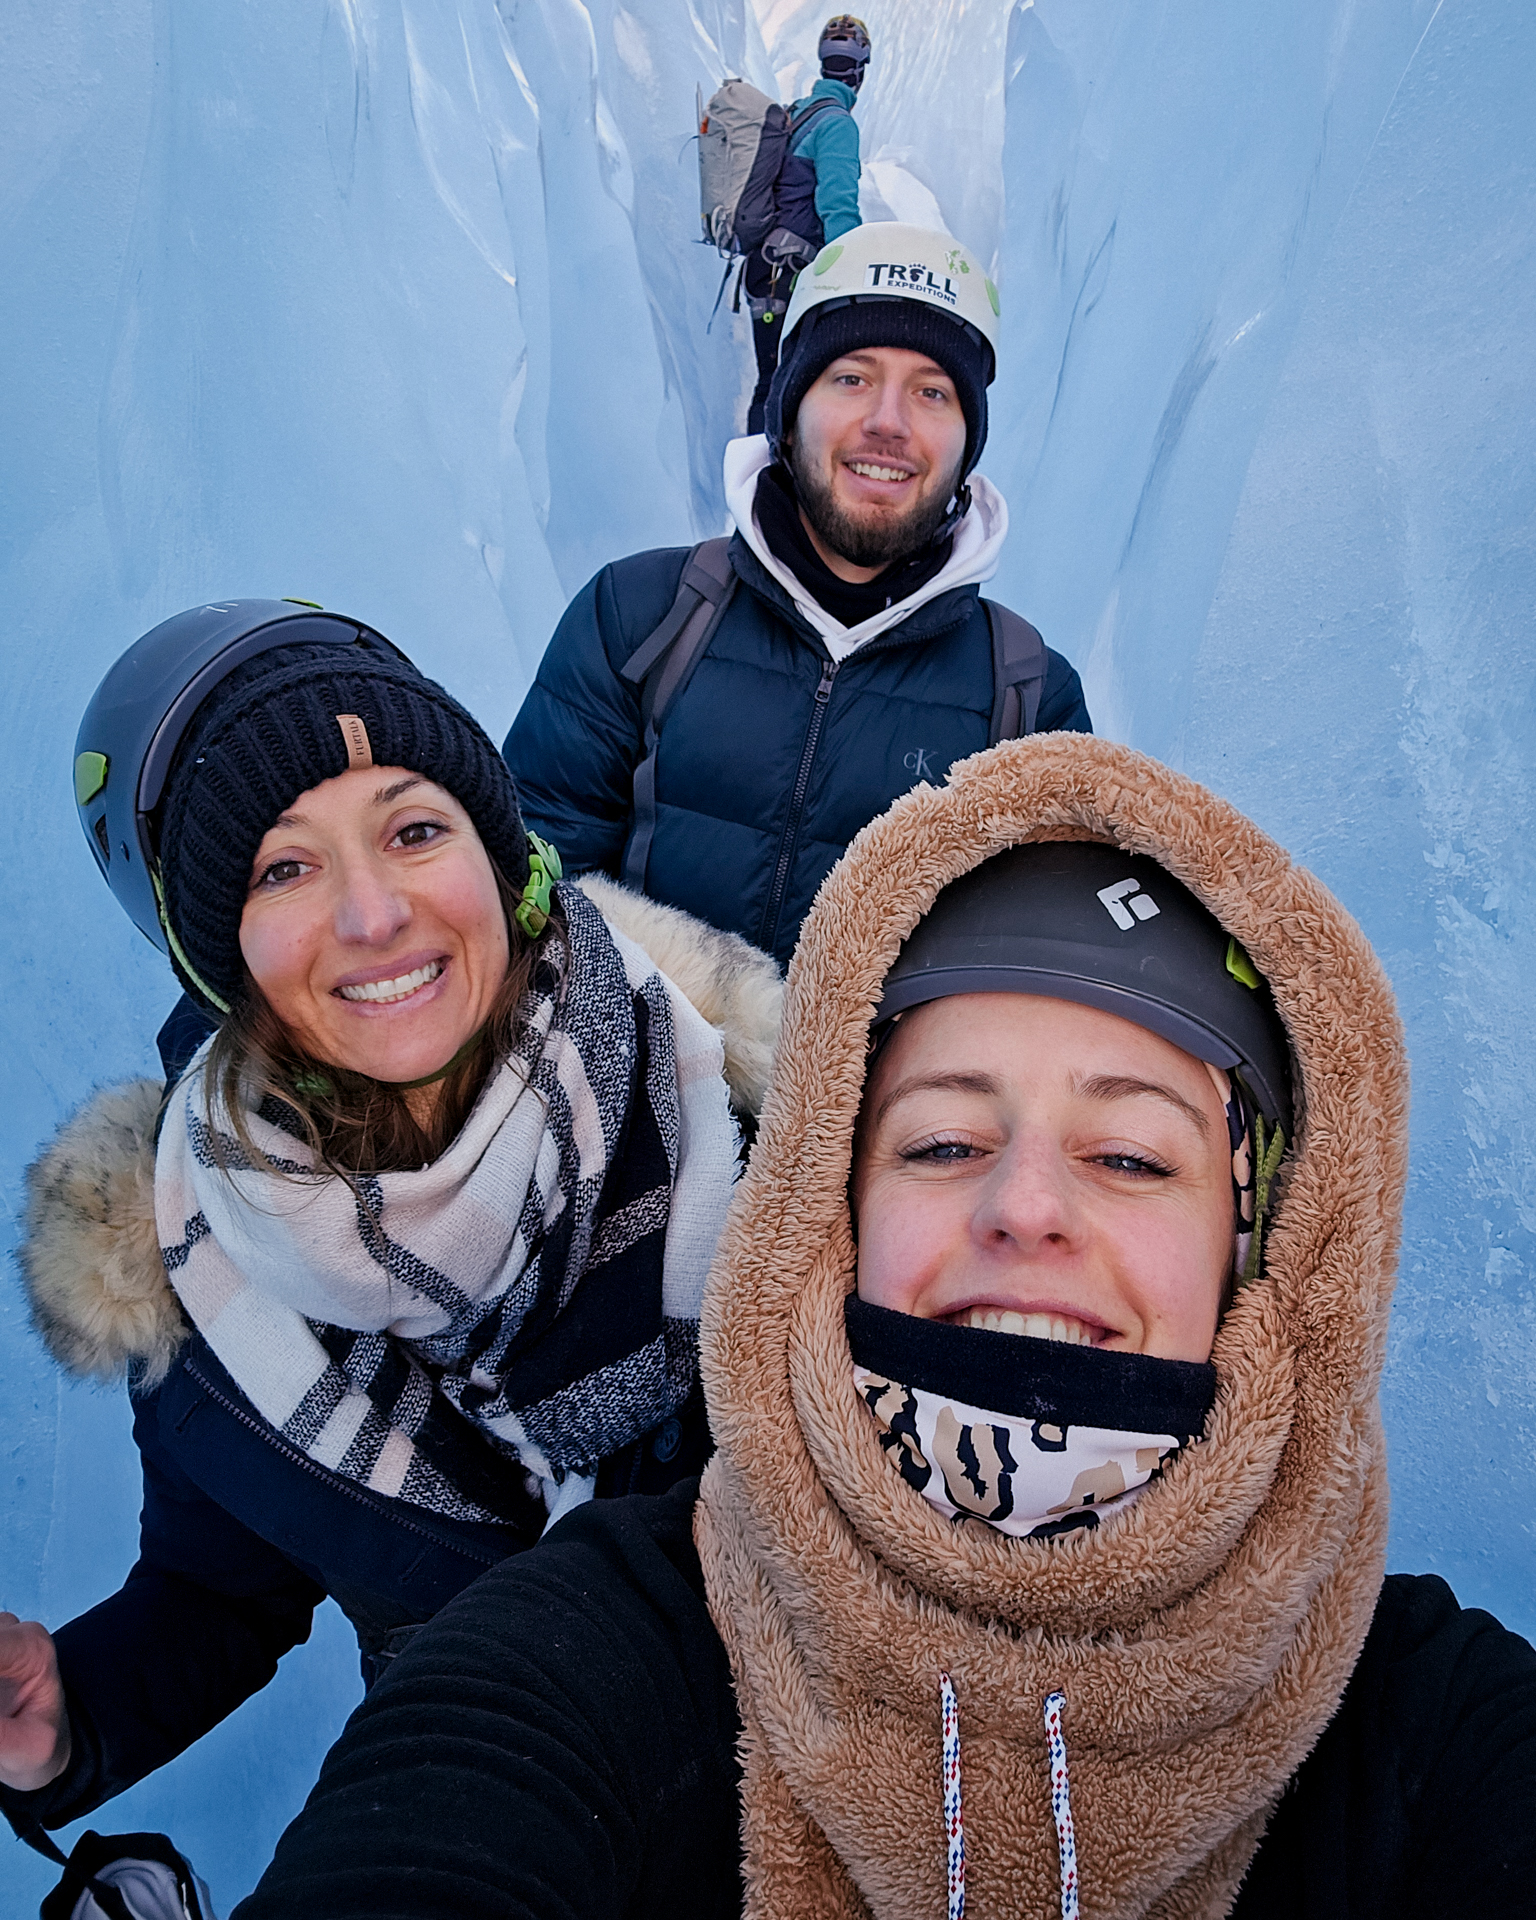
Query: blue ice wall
x,y
1269,281
394,304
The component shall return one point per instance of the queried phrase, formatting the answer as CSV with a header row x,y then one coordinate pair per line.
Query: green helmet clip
x,y
544,869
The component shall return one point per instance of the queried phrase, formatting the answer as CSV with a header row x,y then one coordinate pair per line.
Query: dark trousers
x,y
767,299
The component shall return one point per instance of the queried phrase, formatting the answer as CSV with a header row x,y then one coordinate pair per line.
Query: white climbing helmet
x,y
888,260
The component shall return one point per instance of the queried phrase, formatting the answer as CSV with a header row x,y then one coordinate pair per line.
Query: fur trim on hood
x,y
736,986
1203,1637
90,1253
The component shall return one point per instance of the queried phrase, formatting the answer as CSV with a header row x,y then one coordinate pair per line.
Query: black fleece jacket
x,y
560,1744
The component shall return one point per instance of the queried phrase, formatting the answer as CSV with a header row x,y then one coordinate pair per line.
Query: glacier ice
x,y
398,306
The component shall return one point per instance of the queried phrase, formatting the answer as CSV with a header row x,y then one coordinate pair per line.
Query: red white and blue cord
x,y
1061,1803
954,1818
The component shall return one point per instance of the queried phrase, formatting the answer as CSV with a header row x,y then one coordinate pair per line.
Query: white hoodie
x,y
978,546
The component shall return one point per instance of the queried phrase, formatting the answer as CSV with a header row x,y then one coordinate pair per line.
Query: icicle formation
x,y
954,1818
1061,1803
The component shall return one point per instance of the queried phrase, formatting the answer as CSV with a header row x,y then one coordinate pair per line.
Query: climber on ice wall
x,y
776,184
818,191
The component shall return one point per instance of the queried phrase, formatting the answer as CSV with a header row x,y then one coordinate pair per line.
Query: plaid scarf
x,y
536,1286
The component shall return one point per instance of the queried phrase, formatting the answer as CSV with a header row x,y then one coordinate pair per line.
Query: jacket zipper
x,y
797,806
332,1480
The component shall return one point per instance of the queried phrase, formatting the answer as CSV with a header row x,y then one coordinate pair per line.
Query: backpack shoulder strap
x,y
801,120
1018,673
660,666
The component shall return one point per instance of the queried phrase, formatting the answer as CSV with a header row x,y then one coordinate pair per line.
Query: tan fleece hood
x,y
1202,1638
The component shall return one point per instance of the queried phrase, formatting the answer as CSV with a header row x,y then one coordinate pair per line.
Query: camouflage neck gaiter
x,y
1035,1437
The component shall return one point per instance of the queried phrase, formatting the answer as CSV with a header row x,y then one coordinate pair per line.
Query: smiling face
x,y
374,926
1040,1168
876,452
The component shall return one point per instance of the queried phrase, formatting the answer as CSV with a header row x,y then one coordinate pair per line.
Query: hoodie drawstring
x,y
1061,1800
1061,1803
954,1818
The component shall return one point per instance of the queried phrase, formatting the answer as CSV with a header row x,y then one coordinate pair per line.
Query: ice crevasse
x,y
398,306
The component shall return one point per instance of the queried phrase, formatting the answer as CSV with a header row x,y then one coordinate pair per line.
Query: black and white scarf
x,y
537,1284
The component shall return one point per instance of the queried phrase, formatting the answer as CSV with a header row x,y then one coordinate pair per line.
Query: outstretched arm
x,y
198,1626
557,1744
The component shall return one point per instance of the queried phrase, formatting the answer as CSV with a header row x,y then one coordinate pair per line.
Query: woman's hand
x,y
34,1725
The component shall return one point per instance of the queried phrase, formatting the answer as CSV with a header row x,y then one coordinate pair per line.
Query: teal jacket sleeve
x,y
831,144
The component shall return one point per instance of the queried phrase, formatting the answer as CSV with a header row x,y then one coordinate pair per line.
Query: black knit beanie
x,y
272,730
828,332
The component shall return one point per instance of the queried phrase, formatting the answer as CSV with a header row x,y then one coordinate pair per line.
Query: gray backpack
x,y
743,139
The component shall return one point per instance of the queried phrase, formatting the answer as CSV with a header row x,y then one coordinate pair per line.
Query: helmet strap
x,y
312,1083
431,1079
1268,1153
213,999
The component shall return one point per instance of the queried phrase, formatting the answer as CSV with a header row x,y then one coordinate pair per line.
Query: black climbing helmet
x,y
843,50
138,715
1078,920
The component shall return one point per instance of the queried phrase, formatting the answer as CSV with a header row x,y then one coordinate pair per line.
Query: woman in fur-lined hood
x,y
410,1258
1040,1566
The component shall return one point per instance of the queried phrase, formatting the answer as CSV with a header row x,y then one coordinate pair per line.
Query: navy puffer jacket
x,y
771,758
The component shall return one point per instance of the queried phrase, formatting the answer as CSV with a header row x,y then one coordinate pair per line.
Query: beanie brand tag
x,y
359,747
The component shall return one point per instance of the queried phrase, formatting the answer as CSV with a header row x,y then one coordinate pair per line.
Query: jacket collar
x,y
931,616
973,559
834,90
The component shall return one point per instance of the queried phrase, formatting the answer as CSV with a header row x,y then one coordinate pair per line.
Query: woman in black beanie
x,y
408,1261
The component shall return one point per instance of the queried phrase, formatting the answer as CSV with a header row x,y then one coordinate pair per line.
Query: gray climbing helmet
x,y
843,49
137,716
1078,920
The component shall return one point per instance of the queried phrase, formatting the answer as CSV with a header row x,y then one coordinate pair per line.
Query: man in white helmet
x,y
713,726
